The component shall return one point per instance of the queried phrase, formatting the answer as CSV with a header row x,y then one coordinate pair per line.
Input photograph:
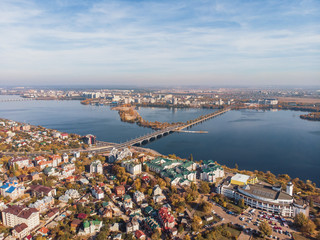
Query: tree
x,y
156,235
265,229
196,223
102,235
187,237
145,168
300,220
308,227
204,187
199,237
241,203
206,206
137,184
317,222
193,187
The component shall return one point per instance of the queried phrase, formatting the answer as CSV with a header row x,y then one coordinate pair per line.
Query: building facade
x,y
267,198
15,215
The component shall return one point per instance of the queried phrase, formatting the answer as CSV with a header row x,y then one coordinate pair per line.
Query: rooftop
x,y
240,178
265,191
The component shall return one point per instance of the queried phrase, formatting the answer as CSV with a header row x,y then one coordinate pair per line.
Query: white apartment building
x,y
15,215
20,161
97,193
96,167
132,167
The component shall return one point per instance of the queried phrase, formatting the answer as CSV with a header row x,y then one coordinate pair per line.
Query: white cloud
x,y
152,41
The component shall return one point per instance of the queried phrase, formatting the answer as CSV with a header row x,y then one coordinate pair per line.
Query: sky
x,y
161,43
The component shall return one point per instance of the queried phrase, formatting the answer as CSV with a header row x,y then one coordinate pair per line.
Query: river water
x,y
277,141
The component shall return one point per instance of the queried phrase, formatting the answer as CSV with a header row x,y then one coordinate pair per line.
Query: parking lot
x,y
251,219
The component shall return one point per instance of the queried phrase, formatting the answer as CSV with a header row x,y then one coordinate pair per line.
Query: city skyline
x,y
160,43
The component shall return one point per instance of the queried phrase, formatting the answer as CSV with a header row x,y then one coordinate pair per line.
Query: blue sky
x,y
160,42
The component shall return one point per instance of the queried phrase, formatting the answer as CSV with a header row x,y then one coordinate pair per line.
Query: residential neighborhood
x,y
132,194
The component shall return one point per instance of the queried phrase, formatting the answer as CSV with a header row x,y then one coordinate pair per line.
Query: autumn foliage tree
x,y
265,229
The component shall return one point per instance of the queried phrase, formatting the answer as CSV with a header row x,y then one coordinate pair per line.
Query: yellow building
x,y
242,179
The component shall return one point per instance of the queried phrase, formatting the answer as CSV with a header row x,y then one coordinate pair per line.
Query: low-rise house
x,y
120,190
91,227
34,176
73,193
97,193
166,218
75,224
20,231
64,135
43,204
138,196
140,235
76,154
43,231
84,181
64,198
41,191
132,226
23,178
12,189
68,170
50,171
157,190
106,212
114,227
157,194
151,224
39,159
208,218
65,157
117,237
173,231
56,135
82,216
52,213
127,202
148,210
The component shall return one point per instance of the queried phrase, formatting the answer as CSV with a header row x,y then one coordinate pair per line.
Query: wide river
x,y
278,141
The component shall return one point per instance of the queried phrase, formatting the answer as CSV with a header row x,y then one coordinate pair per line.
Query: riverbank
x,y
311,116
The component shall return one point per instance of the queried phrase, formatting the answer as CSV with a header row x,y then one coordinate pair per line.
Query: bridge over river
x,y
160,133
17,99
